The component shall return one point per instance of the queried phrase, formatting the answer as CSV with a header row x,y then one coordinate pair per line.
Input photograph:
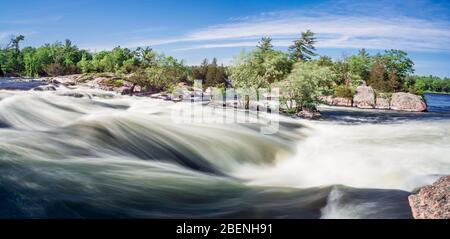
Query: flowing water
x,y
82,153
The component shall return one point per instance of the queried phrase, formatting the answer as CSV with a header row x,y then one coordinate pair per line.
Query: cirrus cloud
x,y
333,31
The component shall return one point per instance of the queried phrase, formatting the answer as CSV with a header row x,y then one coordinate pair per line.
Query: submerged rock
x,y
432,202
45,88
364,98
69,80
307,113
408,102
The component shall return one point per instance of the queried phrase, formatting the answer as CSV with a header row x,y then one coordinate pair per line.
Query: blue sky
x,y
195,29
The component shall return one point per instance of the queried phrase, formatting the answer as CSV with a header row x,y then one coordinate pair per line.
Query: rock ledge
x,y
432,202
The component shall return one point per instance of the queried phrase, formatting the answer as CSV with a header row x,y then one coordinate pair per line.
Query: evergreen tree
x,y
265,44
303,48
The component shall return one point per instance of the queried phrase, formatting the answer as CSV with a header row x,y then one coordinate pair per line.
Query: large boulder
x,y
408,102
383,103
432,202
364,97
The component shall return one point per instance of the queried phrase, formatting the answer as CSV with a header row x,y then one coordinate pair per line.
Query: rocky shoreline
x,y
366,98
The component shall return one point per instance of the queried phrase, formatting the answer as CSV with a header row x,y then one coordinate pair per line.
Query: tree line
x,y
429,84
143,66
301,74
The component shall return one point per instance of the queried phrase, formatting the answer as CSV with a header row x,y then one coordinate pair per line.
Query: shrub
x,y
54,69
344,92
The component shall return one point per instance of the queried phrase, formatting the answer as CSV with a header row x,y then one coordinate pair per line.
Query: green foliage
x,y
116,82
265,45
166,73
325,61
346,75
210,73
385,95
259,69
262,67
85,64
360,64
304,85
389,71
139,77
344,92
423,84
11,61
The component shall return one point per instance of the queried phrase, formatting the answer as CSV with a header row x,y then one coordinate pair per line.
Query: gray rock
x,y
45,88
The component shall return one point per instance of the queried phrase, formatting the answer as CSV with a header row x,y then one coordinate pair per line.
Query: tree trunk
x,y
132,88
247,102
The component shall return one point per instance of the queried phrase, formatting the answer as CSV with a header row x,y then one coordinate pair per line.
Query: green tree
x,y
265,44
146,56
398,67
390,71
304,86
166,73
199,72
325,61
85,64
303,49
12,59
346,75
378,75
249,70
360,64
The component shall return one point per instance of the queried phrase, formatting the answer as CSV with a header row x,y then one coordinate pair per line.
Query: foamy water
x,y
82,153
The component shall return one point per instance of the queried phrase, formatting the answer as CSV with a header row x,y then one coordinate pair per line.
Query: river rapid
x,y
84,153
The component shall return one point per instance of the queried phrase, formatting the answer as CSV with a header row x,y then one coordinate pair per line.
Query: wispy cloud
x,y
372,25
32,21
333,31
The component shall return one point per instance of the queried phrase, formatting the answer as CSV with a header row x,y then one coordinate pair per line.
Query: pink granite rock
x,y
408,102
364,97
432,202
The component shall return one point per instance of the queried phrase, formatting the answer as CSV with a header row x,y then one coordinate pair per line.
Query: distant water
x,y
102,155
439,103
11,83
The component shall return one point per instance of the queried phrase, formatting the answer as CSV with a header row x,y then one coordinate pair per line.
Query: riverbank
x,y
365,97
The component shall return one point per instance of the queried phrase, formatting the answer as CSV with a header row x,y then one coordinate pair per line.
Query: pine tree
x,y
265,44
303,48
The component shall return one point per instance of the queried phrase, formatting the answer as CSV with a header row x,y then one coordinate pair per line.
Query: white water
x,y
390,156
123,156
